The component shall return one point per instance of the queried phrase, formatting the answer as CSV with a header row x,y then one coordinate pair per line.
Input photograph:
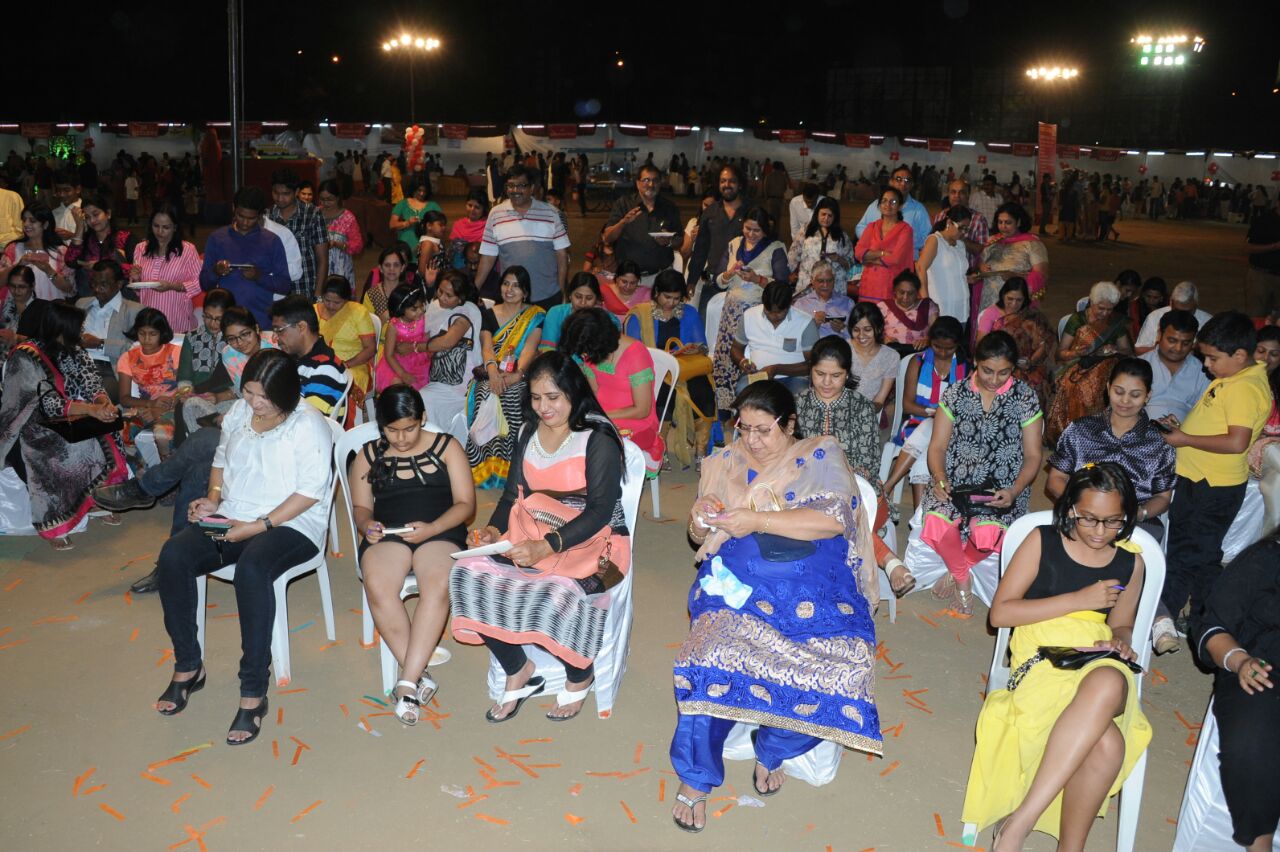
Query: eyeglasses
x,y
242,337
1092,523
279,329
647,180
892,202
748,431
210,319
901,179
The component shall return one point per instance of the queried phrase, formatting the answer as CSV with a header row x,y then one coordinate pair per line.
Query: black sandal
x,y
248,721
179,692
766,792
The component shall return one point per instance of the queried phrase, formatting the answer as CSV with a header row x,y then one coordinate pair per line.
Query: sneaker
x,y
1164,637
123,497
1182,625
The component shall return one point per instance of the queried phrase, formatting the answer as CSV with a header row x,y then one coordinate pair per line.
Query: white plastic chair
x,y
867,493
665,365
280,657
1062,324
611,662
715,307
998,677
890,450
370,413
338,413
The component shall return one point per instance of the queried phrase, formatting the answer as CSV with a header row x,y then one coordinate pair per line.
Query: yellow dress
x,y
343,333
1014,727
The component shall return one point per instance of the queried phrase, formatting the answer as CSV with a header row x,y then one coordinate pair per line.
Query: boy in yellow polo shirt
x,y
1212,468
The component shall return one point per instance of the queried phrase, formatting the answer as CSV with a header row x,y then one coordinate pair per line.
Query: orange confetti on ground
x,y
890,768
203,783
375,705
275,749
4,630
134,635
536,740
292,691
297,753
80,779
128,598
308,809
926,620
605,774
471,801
961,846
634,773
494,782
83,597
895,677
108,809
627,810
279,715
491,819
1171,820
176,807
94,789
13,585
156,779
1183,719
896,730
639,753
167,655
416,767
56,619
483,764
300,743
329,645
11,645
572,819
1158,677
575,789
720,812
662,789
346,714
808,828
262,800
937,821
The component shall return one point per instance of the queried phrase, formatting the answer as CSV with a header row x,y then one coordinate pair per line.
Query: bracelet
x,y
768,517
216,488
694,535
1143,517
559,541
1227,656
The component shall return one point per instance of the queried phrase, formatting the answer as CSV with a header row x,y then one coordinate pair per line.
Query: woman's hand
x,y
419,532
1100,595
403,348
373,533
942,489
242,531
1254,675
406,378
740,522
1120,646
529,552
104,411
705,511
1003,499
920,344
170,286
203,507
487,535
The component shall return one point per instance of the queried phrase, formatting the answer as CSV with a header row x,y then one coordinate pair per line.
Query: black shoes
x,y
123,497
147,584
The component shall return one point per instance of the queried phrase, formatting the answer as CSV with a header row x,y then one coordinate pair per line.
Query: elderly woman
x,y
885,248
620,371
1030,329
829,309
781,633
750,262
823,240
988,442
50,388
267,510
908,315
1091,340
562,512
1238,633
1012,250
668,323
623,292
348,329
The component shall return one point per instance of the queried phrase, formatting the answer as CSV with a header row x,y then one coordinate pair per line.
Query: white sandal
x,y
564,698
407,706
427,688
533,687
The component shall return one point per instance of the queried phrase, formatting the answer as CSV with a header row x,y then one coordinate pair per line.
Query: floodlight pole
x,y
235,60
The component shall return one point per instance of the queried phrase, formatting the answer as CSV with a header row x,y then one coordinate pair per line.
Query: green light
x,y
1180,60
1146,48
1146,61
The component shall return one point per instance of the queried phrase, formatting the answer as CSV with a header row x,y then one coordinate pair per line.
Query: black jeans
x,y
187,470
1249,751
259,561
512,658
1199,519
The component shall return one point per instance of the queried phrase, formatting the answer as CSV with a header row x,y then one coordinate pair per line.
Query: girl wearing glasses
x,y
1057,743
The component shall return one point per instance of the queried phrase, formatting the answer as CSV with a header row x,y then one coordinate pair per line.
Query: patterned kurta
x,y
851,419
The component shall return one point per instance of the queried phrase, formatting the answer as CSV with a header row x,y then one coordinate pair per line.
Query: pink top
x,y
987,320
345,223
614,391
877,280
176,305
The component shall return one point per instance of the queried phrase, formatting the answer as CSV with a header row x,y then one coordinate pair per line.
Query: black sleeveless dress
x,y
423,495
1060,574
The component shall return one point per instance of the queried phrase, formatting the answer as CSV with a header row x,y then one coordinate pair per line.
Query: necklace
x,y
542,451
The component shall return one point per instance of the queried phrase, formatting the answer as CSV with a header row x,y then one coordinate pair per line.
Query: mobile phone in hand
x,y
215,522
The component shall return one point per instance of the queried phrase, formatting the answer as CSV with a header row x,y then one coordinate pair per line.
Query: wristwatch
x,y
266,522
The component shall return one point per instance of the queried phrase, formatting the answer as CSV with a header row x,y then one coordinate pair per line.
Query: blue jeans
x,y
187,470
259,561
697,748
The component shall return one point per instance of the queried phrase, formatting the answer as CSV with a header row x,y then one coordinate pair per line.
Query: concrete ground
x,y
88,763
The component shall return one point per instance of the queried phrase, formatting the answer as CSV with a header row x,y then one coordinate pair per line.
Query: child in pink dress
x,y
405,358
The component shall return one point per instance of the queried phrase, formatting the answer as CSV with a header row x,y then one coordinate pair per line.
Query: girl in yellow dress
x,y
1054,745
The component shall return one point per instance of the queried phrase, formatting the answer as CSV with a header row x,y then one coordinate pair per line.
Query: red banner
x,y
562,131
1048,138
508,143
791,137
857,140
609,143
144,128
804,150
708,145
941,145
35,130
454,131
662,131
250,129
1067,152
893,155
1107,155
350,131
1275,175
982,159
1024,149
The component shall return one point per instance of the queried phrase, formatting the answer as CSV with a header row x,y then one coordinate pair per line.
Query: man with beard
x,y
635,217
719,224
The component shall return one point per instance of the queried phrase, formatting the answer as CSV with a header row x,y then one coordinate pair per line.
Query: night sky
x,y
698,63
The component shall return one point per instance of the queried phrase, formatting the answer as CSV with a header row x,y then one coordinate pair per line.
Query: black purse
x,y
1071,659
77,428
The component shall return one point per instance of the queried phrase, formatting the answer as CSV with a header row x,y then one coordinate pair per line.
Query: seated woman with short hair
x,y
1091,339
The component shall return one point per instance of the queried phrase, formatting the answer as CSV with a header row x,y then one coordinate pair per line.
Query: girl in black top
x,y
417,479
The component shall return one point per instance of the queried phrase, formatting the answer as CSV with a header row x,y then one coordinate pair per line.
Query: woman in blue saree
x,y
781,633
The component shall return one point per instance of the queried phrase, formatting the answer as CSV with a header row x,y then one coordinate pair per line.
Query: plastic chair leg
x,y
1130,805
886,594
326,599
653,494
969,834
366,619
280,660
202,584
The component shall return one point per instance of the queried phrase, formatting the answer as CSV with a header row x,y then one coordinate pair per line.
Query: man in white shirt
x,y
986,199
523,231
775,338
1185,297
292,254
107,316
1177,382
801,207
66,188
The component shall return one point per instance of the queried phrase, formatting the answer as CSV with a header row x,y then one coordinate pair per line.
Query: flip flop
x,y
766,792
692,828
908,582
564,698
534,687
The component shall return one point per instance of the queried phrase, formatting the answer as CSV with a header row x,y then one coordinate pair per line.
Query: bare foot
x,y
767,782
695,817
515,681
567,711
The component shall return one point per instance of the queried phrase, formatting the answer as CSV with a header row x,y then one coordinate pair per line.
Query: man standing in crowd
x,y
913,212
1155,209
107,316
635,218
307,225
774,188
986,200
1177,382
719,224
975,238
246,259
1185,297
66,188
800,208
1262,280
523,231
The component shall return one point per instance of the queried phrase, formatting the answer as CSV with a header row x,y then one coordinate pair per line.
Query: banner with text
x,y
1048,139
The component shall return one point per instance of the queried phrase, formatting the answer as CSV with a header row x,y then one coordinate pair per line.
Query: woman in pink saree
x,y
1012,251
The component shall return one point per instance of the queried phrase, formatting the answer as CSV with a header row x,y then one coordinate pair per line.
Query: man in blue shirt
x,y
913,212
1177,382
247,259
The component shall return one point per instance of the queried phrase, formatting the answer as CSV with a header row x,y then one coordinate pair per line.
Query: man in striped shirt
x,y
523,231
297,331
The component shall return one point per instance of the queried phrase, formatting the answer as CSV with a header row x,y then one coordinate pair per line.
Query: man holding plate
x,y
641,227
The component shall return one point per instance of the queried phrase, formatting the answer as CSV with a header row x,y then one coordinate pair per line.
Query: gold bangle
x,y
768,517
216,488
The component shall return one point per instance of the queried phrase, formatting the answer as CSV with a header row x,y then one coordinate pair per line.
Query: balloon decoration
x,y
415,155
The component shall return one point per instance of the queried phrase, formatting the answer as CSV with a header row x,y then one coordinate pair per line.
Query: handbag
x,y
961,498
81,427
1072,659
691,366
534,516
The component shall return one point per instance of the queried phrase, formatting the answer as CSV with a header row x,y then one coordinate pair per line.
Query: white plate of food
x,y
659,235
145,285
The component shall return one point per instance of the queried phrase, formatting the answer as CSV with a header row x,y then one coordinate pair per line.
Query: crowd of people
x,y
815,368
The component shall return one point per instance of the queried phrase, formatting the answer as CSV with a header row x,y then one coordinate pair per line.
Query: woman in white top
x,y
266,511
40,248
453,326
944,262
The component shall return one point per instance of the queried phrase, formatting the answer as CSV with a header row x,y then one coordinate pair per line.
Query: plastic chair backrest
x,y
1062,324
633,485
1153,582
377,327
664,364
868,498
339,411
899,392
